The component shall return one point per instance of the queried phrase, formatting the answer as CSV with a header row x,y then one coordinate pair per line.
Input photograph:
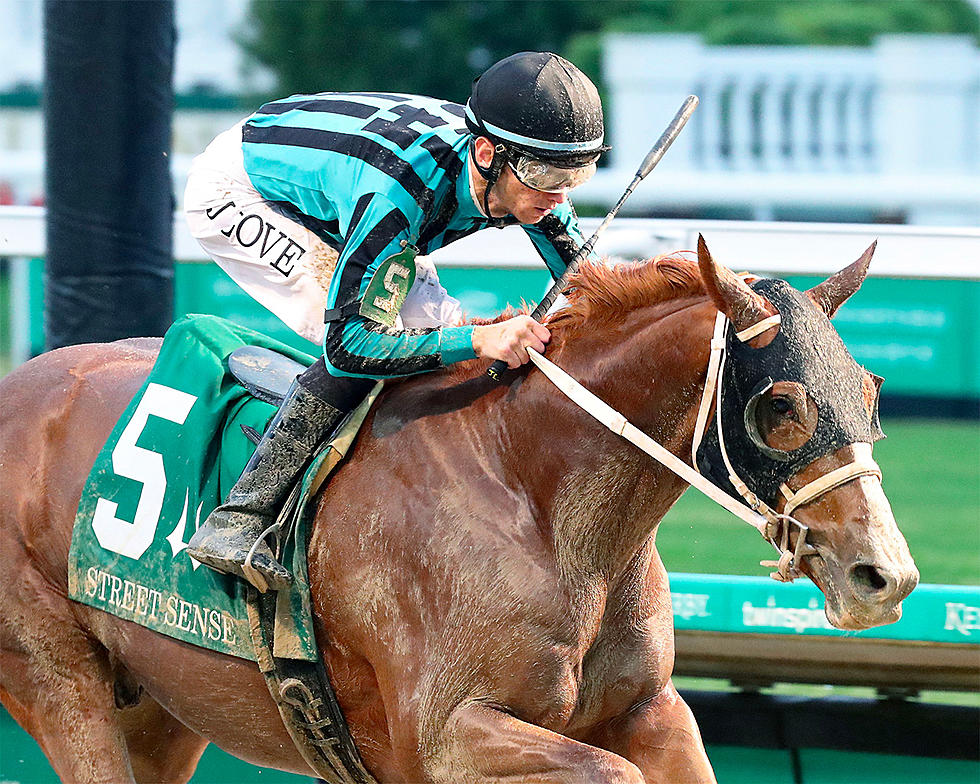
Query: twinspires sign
x,y
726,603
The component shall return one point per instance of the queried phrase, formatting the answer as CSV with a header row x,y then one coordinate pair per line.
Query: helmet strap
x,y
489,173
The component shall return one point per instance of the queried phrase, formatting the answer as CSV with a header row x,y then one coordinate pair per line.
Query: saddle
x,y
301,689
265,373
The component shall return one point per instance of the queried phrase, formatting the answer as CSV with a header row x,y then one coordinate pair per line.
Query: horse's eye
x,y
782,405
781,418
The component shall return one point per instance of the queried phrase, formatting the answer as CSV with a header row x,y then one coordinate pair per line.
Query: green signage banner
x,y
923,336
759,605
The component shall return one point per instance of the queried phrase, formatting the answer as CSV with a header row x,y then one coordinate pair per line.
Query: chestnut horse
x,y
489,599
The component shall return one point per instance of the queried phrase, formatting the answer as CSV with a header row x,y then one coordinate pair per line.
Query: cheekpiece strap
x,y
714,368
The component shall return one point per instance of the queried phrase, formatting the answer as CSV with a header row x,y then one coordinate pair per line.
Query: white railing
x,y
893,128
778,248
777,110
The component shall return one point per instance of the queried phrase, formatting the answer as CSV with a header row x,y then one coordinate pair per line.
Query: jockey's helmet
x,y
544,116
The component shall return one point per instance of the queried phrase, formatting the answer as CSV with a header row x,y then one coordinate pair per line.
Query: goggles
x,y
549,177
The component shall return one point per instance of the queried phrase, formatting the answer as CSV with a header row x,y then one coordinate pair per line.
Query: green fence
x,y
923,336
759,605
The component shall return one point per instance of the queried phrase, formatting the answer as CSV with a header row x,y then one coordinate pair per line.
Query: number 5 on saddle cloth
x,y
169,460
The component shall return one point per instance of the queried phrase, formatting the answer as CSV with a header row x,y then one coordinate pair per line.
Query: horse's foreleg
x,y
161,749
60,688
483,744
662,739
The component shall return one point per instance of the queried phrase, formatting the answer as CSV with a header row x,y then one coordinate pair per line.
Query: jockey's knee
x,y
342,392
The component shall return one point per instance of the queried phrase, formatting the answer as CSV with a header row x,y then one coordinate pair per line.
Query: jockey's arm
x,y
355,345
360,347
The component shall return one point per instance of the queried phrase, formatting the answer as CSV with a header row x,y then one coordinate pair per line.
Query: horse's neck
x,y
600,497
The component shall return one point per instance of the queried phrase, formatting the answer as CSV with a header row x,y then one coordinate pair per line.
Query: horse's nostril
x,y
867,578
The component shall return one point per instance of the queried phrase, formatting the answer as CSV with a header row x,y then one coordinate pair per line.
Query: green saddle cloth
x,y
170,459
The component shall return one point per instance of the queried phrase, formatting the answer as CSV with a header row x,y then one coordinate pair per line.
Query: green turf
x,y
23,762
931,474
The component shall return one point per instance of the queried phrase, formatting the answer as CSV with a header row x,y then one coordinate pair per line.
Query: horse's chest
x,y
630,660
616,675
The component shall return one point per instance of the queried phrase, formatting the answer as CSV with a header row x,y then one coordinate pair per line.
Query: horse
x,y
488,597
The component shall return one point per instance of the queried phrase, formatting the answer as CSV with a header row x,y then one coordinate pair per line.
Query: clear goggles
x,y
549,177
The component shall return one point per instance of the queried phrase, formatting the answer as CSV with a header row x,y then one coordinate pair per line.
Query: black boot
x,y
233,533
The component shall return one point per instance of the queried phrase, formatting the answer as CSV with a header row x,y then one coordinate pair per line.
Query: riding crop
x,y
496,370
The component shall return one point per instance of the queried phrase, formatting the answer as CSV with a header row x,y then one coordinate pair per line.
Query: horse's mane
x,y
603,292
600,294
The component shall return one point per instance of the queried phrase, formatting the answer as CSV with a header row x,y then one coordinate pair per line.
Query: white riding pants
x,y
280,263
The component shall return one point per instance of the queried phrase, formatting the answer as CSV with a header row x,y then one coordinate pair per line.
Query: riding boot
x,y
233,537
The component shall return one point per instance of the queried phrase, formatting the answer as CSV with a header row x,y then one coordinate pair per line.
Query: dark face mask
x,y
807,350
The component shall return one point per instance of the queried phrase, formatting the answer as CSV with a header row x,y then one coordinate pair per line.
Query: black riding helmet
x,y
544,116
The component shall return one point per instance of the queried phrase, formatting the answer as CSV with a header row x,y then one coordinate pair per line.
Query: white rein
x,y
766,521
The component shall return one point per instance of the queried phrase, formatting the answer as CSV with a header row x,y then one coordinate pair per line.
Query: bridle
x,y
775,527
778,524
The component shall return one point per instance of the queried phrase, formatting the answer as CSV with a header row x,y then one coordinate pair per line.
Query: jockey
x,y
325,200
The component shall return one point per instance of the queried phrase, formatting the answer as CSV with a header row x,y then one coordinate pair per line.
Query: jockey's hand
x,y
509,340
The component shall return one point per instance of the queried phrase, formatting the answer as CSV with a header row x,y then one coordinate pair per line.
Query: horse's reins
x,y
771,524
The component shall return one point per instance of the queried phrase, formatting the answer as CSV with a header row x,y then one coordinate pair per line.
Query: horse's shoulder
x,y
131,355
57,380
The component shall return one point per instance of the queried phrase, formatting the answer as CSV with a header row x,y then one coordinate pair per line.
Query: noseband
x,y
774,526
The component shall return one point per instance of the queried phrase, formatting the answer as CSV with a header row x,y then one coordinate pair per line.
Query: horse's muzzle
x,y
864,595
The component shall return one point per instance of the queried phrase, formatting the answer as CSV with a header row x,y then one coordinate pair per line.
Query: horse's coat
x,y
489,598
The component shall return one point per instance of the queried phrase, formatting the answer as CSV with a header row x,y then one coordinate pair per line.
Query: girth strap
x,y
304,695
301,689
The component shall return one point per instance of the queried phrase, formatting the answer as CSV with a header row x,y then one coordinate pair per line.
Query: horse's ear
x,y
730,293
833,292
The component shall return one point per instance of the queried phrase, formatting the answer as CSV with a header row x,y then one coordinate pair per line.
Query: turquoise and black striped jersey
x,y
367,172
